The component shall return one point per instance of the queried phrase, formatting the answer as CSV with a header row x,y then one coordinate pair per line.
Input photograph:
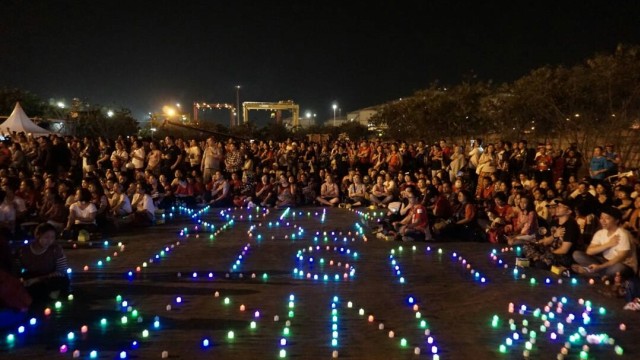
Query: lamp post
x,y
238,104
335,106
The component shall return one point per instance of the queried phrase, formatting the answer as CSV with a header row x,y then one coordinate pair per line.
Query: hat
x,y
556,202
612,211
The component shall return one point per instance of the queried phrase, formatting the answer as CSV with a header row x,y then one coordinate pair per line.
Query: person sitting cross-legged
x,y
415,225
611,251
329,192
556,248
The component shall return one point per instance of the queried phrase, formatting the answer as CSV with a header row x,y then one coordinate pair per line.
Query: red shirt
x,y
419,218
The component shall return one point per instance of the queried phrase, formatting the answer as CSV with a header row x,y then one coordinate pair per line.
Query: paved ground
x,y
454,314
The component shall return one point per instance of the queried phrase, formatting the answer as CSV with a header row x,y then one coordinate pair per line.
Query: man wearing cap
x,y
557,247
611,250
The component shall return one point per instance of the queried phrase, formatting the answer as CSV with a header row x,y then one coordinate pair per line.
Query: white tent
x,y
18,122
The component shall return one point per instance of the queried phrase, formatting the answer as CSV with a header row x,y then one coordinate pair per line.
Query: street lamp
x,y
335,106
308,116
238,104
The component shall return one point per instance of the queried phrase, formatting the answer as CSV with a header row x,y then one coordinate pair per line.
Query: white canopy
x,y
18,121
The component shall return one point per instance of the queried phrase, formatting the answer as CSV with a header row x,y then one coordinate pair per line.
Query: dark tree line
x,y
595,102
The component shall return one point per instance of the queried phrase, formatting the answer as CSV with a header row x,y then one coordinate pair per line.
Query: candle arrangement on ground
x,y
307,283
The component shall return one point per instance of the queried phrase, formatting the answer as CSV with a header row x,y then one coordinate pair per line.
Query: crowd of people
x,y
505,192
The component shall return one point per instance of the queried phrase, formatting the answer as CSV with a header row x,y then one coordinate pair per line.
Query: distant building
x,y
363,115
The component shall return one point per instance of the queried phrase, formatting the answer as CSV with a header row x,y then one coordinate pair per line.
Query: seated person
x,y
264,192
221,194
463,225
611,250
526,223
119,204
415,225
45,265
397,211
329,192
356,193
378,193
500,215
7,216
556,248
55,213
285,193
144,211
82,213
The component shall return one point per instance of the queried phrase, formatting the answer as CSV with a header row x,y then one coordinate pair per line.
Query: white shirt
x,y
75,209
194,155
624,244
117,198
138,163
145,204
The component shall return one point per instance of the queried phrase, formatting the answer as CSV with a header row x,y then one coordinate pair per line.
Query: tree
x,y
95,122
354,130
31,103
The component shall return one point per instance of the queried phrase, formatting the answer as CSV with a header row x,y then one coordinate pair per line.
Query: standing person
x,y
172,158
518,158
598,166
137,155
486,165
119,157
45,265
474,158
154,158
436,157
394,160
89,155
572,163
544,162
457,163
104,157
613,160
233,159
364,157
611,250
209,161
195,154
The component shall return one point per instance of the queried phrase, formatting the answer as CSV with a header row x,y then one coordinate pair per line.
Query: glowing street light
x,y
335,106
110,113
169,111
237,104
61,104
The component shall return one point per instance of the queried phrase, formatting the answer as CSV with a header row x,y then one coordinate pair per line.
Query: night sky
x,y
143,54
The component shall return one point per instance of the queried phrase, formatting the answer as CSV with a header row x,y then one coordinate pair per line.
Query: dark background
x,y
143,54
